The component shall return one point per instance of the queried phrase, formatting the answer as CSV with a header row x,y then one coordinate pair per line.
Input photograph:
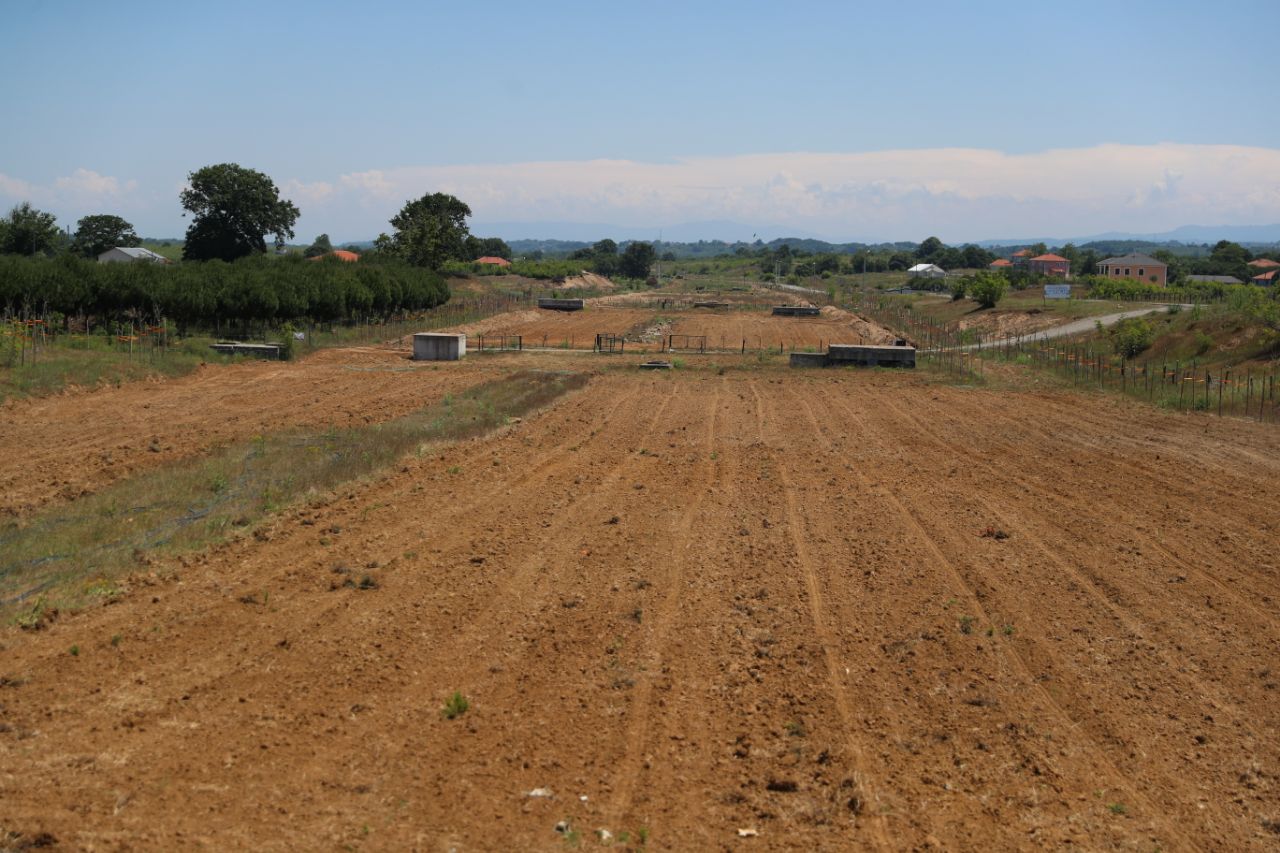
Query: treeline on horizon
x,y
532,248
249,292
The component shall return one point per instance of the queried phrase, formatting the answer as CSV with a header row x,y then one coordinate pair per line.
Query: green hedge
x,y
251,290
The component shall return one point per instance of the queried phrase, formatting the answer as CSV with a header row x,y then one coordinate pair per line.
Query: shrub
x,y
959,289
1131,337
987,289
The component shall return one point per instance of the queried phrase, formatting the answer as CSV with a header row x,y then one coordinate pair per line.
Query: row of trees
x,y
252,291
28,231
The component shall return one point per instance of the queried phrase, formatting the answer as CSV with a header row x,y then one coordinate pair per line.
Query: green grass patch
x,y
91,361
70,555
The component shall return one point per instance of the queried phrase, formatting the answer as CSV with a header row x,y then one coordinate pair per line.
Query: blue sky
x,y
847,120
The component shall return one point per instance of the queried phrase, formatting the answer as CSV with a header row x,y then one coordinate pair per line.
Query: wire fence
x,y
1249,392
26,341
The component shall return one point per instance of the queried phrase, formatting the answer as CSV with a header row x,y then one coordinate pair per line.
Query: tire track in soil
x,y
825,636
1136,630
1204,490
1036,486
955,759
1098,755
637,731
741,718
1228,494
555,542
1123,424
356,623
326,614
1039,488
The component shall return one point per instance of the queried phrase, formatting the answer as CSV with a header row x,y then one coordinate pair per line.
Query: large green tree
x,y
233,209
929,249
636,260
322,246
486,247
27,231
100,232
429,231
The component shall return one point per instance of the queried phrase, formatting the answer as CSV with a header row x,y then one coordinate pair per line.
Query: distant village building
x,y
497,262
1000,264
1021,257
1265,279
1143,268
1264,264
340,254
131,254
1050,265
927,271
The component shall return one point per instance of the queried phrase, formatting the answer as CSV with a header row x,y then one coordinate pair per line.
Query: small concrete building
x,y
130,254
439,346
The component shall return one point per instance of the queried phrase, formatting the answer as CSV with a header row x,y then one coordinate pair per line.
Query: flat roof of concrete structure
x,y
884,347
439,334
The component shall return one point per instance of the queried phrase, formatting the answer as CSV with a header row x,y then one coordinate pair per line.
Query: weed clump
x,y
455,706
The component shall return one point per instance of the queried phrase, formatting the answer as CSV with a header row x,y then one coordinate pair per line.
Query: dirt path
x,y
1083,325
696,603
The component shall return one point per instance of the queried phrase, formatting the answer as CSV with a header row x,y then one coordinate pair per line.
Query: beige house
x,y
1143,268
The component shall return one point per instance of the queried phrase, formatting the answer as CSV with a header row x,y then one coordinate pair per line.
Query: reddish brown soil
x,y
698,603
757,329
578,329
762,330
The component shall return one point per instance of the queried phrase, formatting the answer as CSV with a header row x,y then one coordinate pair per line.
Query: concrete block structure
x,y
871,356
268,351
437,346
796,311
857,355
560,304
808,359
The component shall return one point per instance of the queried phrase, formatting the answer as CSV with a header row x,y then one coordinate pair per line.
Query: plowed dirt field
x,y
839,610
646,328
67,446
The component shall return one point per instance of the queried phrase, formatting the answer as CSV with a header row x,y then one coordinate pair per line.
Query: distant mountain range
x,y
684,232
1265,235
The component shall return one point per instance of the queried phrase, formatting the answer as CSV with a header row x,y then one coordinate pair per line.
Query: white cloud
x,y
82,192
958,193
85,182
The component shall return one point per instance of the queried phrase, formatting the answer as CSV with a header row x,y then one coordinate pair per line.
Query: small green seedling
x,y
455,706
